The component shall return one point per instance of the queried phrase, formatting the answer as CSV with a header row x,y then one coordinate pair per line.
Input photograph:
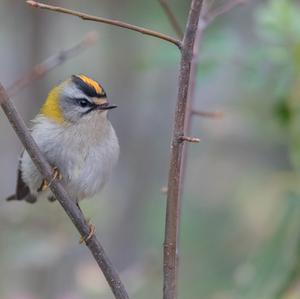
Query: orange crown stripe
x,y
91,83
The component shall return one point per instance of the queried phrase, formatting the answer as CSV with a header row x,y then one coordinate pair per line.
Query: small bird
x,y
76,137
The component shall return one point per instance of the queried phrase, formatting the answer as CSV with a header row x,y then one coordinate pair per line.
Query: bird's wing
x,y
22,190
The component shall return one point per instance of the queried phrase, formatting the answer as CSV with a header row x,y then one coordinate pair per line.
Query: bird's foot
x,y
51,199
45,185
90,234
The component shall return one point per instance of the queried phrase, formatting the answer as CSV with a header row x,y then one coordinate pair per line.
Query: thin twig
x,y
172,18
164,189
175,170
106,21
208,114
189,139
62,196
42,68
208,17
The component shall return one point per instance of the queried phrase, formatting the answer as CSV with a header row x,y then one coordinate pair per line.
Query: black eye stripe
x,y
83,102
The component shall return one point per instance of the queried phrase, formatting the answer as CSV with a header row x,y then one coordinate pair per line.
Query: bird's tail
x,y
11,198
28,198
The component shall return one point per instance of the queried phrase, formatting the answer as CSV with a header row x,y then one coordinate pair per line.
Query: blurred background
x,y
241,206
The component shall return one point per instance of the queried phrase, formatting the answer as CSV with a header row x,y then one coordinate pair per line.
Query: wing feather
x,y
22,190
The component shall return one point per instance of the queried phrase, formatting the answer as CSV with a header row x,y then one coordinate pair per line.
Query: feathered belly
x,y
87,175
89,168
85,161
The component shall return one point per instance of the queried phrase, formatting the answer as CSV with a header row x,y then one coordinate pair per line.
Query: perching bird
x,y
77,139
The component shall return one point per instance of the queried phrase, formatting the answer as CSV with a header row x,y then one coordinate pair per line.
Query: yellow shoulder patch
x,y
91,82
51,108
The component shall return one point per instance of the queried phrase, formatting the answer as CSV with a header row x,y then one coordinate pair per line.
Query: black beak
x,y
105,106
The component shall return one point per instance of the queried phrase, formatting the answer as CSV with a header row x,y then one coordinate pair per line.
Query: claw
x,y
90,235
44,186
56,175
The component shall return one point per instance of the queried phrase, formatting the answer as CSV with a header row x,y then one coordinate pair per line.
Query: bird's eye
x,y
83,103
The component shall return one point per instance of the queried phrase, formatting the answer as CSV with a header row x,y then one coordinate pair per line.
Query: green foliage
x,y
274,66
283,112
273,69
278,257
278,22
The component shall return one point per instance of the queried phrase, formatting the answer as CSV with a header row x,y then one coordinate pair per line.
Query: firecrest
x,y
76,137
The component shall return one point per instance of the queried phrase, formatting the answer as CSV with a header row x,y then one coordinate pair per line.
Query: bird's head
x,y
74,99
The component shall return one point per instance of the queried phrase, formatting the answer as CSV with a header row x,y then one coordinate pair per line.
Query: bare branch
x,y
42,68
208,114
164,189
175,170
189,139
209,16
205,20
62,196
172,18
106,21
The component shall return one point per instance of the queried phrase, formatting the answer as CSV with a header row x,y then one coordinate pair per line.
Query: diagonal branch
x,y
62,196
42,68
106,21
172,18
209,16
175,170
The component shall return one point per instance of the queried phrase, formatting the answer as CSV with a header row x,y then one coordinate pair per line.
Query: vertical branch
x,y
175,170
191,93
192,87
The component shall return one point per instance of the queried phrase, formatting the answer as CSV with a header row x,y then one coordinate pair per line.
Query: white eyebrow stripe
x,y
72,92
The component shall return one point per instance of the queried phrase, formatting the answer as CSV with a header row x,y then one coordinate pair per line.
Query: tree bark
x,y
175,170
